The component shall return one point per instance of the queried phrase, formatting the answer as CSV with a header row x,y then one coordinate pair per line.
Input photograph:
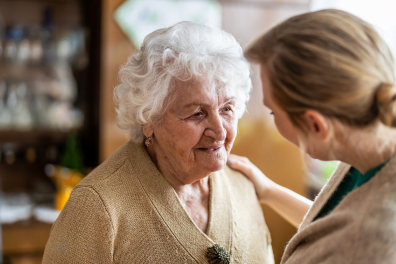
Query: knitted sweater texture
x,y
361,229
126,212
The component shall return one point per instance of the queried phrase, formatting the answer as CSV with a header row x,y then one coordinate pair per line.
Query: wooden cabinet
x,y
24,242
116,48
24,152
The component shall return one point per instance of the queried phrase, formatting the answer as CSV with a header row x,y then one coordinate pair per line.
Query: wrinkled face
x,y
281,119
197,131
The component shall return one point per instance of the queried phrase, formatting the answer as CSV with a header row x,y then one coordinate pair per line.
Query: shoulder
x,y
114,186
110,167
83,232
116,181
360,229
238,182
376,230
379,196
236,177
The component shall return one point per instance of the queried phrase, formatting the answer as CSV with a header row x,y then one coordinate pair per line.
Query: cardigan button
x,y
217,255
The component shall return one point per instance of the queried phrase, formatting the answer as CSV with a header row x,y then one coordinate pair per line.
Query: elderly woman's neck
x,y
186,185
193,189
195,198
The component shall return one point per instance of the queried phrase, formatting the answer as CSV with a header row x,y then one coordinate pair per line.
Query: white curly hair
x,y
181,52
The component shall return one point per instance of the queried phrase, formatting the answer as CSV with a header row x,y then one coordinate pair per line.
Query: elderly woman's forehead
x,y
198,92
201,84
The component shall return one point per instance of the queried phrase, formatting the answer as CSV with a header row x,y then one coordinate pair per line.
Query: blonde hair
x,y
330,61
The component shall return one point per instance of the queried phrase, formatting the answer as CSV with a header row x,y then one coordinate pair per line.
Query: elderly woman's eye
x,y
199,113
227,108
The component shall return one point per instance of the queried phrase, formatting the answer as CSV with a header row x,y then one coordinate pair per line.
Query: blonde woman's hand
x,y
262,184
287,203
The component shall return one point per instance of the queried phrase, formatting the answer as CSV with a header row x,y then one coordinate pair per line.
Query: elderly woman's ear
x,y
148,130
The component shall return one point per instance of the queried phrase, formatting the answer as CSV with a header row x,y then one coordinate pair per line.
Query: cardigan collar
x,y
324,195
169,208
330,187
383,177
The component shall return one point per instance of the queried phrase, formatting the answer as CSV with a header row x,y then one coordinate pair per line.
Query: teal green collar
x,y
352,180
362,179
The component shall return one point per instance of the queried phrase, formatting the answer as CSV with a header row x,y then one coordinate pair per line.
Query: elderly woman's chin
x,y
201,164
212,159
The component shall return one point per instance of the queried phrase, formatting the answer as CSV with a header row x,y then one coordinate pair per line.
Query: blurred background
x,y
58,66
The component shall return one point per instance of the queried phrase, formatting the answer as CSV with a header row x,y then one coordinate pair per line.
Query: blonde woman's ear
x,y
317,124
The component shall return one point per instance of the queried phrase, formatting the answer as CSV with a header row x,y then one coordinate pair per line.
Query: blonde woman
x,y
328,79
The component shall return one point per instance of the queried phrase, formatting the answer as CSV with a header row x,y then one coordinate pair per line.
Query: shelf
x,y
33,71
32,136
25,237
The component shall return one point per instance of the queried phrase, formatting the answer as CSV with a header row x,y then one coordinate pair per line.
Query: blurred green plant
x,y
72,154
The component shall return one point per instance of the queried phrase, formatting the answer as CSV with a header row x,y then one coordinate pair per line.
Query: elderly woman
x,y
166,196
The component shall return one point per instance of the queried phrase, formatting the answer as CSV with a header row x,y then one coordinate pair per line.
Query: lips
x,y
210,150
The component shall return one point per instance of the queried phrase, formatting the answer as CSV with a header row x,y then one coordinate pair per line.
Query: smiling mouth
x,y
210,150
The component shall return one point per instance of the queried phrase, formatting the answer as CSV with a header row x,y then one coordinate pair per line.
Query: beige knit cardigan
x,y
360,230
126,212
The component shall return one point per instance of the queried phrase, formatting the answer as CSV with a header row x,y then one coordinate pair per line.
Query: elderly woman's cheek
x,y
231,133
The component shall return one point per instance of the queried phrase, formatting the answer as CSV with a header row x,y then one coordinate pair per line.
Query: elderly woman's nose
x,y
216,128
